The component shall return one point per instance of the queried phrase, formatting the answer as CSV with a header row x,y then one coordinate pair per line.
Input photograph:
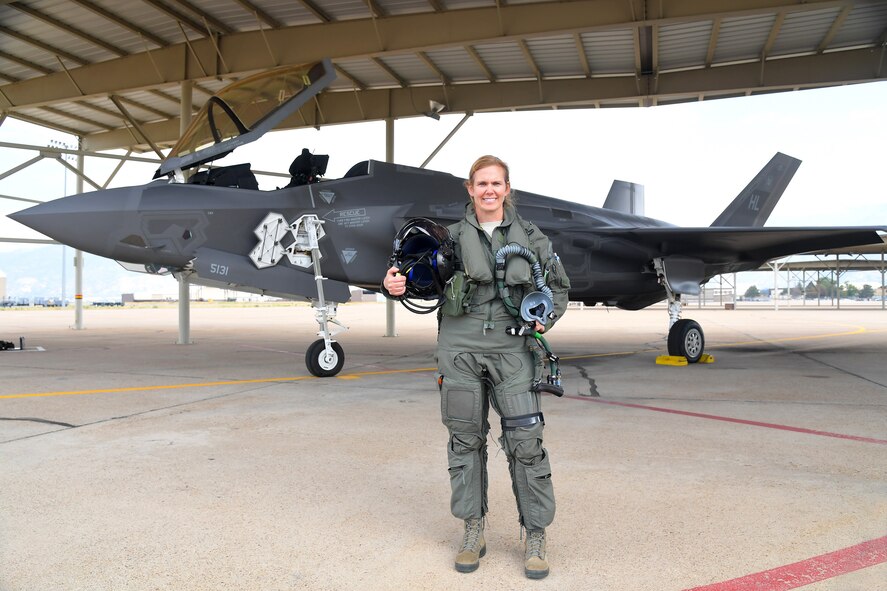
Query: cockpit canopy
x,y
244,111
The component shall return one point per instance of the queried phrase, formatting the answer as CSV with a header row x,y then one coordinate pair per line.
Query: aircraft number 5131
x,y
217,269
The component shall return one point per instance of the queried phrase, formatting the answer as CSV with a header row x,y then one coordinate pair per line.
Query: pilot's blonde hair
x,y
485,161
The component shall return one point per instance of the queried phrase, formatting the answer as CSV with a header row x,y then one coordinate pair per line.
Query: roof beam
x,y
99,109
44,46
387,69
36,14
376,11
350,77
144,107
583,57
80,118
531,61
143,33
433,67
316,11
833,30
480,62
713,42
214,23
167,97
26,63
178,17
774,33
260,14
49,124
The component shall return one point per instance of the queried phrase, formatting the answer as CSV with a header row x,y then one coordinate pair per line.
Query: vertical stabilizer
x,y
754,204
626,197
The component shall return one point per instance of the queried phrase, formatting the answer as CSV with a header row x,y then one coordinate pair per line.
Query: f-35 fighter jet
x,y
315,237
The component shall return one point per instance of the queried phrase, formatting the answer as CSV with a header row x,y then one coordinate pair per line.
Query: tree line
x,y
822,288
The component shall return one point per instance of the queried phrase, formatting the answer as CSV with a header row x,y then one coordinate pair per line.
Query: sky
x,y
693,158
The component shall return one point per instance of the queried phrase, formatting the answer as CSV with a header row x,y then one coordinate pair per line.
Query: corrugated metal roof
x,y
610,52
864,22
556,56
65,44
456,64
505,60
684,45
802,32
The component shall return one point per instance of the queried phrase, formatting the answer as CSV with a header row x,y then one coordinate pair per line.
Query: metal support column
x,y
735,289
390,328
184,310
838,279
78,255
184,287
803,287
774,294
883,291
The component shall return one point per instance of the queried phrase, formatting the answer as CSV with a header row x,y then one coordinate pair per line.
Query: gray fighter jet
x,y
315,237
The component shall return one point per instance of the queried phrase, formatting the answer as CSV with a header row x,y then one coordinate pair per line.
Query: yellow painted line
x,y
159,387
358,375
614,354
858,331
353,376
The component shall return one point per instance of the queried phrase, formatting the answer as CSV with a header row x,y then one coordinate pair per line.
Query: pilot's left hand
x,y
540,328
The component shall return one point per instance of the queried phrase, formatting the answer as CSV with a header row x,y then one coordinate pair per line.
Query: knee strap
x,y
512,423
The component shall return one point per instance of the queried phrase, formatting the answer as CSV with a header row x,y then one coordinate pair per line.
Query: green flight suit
x,y
479,364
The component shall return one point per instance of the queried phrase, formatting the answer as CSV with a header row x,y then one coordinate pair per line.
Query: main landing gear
x,y
325,357
685,337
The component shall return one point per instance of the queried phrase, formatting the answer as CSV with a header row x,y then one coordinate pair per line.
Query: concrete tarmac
x,y
129,462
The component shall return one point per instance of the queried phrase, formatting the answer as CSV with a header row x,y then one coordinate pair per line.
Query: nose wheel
x,y
324,362
325,357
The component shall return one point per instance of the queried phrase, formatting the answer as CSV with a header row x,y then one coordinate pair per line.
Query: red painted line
x,y
732,420
808,571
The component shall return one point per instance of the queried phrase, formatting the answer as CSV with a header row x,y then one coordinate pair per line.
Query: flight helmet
x,y
424,253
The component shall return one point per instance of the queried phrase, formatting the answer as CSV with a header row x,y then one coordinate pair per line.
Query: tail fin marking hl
x,y
753,205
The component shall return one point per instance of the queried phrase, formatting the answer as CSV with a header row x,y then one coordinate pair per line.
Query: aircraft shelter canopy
x,y
116,73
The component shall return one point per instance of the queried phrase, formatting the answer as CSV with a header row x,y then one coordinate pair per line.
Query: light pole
x,y
63,146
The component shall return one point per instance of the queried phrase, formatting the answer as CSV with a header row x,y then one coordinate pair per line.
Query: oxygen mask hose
x,y
554,379
553,385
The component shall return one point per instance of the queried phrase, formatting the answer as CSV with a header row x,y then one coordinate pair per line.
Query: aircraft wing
x,y
744,245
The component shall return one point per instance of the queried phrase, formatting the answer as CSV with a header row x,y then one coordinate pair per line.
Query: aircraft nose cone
x,y
82,221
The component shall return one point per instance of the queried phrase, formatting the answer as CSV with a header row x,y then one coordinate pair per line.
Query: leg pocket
x,y
460,404
542,490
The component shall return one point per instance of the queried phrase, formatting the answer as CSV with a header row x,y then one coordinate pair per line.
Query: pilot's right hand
x,y
394,282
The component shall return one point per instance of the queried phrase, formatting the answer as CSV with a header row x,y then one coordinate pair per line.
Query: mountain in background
x,y
36,272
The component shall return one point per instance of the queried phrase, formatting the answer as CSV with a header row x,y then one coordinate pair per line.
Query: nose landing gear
x,y
685,339
325,357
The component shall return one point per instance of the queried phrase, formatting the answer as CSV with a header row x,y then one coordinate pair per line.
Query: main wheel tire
x,y
320,363
686,339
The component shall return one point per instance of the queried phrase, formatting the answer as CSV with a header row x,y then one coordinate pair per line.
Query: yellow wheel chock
x,y
676,360
680,360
